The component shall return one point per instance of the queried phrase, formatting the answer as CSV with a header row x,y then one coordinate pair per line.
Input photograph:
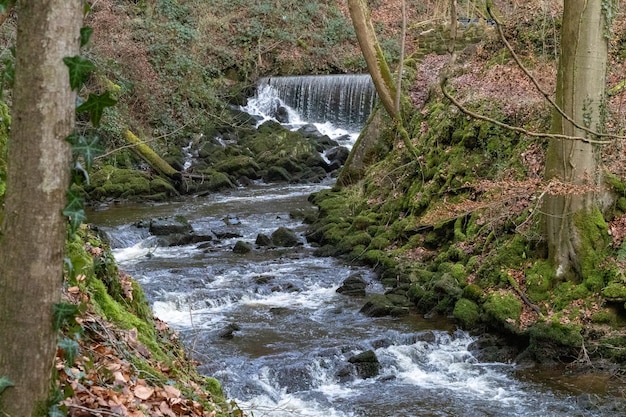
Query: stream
x,y
271,327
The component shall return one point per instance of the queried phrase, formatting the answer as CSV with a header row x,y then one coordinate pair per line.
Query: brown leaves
x,y
105,381
617,230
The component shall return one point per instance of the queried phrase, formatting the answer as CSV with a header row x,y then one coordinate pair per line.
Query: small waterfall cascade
x,y
345,101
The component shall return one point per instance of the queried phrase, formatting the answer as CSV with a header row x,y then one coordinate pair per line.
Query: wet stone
x,y
242,247
285,237
366,364
227,332
354,285
263,240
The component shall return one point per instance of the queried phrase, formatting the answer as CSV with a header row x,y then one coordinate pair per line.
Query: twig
x,y
95,410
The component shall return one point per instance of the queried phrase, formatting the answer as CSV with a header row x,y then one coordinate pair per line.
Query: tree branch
x,y
444,81
541,90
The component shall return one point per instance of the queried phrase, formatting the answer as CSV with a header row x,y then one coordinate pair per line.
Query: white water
x,y
267,100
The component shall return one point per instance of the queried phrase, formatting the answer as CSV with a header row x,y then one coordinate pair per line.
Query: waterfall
x,y
345,101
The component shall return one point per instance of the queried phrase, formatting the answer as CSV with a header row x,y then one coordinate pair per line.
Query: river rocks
x,y
354,285
493,348
170,225
379,305
366,364
227,332
263,240
285,237
338,154
242,247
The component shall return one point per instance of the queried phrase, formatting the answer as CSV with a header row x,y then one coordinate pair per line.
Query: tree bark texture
x,y
33,228
373,54
580,93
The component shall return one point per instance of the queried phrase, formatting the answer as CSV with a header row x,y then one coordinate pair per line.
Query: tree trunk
x,y
373,54
569,214
33,228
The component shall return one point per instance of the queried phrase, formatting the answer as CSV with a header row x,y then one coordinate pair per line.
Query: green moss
x,y
566,292
379,258
78,261
352,240
594,241
540,279
473,292
467,312
379,242
504,308
554,333
604,316
615,291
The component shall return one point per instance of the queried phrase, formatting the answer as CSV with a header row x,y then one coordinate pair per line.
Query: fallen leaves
x,y
115,374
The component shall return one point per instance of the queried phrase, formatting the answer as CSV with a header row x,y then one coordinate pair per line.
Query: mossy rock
x,y
445,283
473,292
504,308
379,258
553,339
112,182
467,312
212,181
350,241
276,174
237,166
285,237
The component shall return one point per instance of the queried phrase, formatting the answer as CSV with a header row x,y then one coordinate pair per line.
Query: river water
x,y
271,327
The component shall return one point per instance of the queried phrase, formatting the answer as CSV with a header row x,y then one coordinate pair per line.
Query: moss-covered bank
x,y
457,231
114,356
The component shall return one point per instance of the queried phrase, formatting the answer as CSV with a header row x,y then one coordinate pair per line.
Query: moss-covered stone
x,y
553,339
467,312
473,292
540,279
504,309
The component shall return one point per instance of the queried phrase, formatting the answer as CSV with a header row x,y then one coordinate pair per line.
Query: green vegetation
x,y
112,341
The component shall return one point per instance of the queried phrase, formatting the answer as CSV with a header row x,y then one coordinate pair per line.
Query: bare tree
x,y
33,228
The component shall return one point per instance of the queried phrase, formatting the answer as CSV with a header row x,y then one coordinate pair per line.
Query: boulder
x,y
227,331
354,285
366,364
170,225
263,240
285,237
338,154
379,305
242,247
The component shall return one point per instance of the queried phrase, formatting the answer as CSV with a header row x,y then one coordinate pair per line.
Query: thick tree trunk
x,y
575,164
33,229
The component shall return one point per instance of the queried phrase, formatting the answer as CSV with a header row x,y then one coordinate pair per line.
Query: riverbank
x,y
114,356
